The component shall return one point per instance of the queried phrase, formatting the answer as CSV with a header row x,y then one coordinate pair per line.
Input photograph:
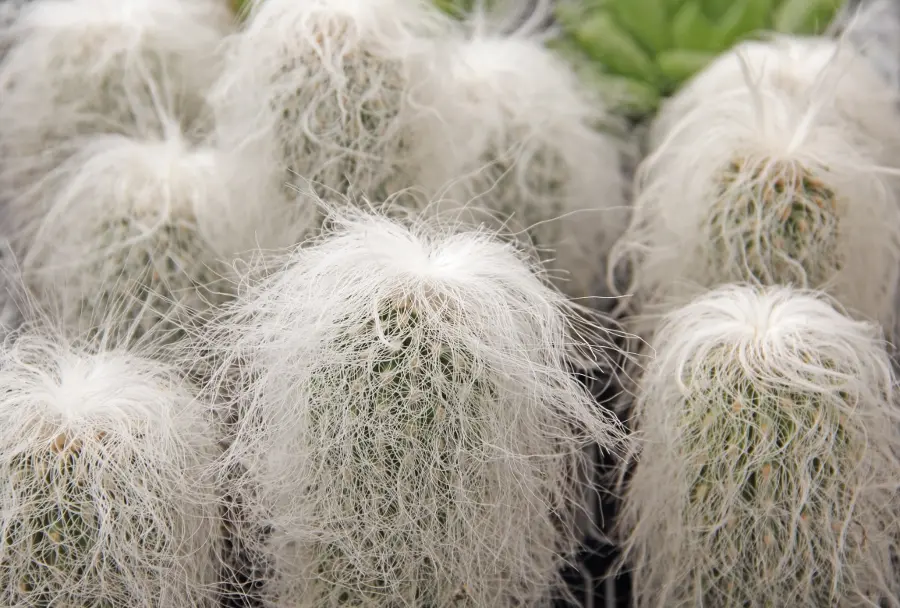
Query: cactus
x,y
83,67
137,237
406,424
647,49
777,176
512,130
767,474
105,493
319,88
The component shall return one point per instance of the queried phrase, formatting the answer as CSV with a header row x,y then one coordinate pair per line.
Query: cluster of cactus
x,y
359,226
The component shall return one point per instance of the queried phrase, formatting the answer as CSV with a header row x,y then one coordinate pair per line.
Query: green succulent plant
x,y
645,49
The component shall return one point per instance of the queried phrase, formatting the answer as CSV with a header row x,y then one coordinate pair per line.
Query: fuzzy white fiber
x,y
407,426
768,473
80,67
873,27
106,497
138,236
777,164
319,88
512,131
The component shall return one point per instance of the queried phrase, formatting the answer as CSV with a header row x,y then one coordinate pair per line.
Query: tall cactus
x,y
768,470
407,426
513,136
319,89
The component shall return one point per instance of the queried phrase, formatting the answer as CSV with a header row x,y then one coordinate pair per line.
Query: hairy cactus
x,y
407,427
318,88
136,237
768,469
105,494
646,49
773,166
82,67
514,137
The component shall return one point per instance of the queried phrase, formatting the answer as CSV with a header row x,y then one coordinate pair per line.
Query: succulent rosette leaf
x,y
643,50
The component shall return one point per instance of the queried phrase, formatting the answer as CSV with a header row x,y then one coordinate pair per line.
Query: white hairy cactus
x,y
768,473
106,496
319,87
137,236
407,426
777,165
512,130
79,67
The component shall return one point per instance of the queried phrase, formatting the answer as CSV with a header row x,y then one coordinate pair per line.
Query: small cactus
x,y
514,137
83,67
773,166
105,496
406,424
318,88
137,237
767,474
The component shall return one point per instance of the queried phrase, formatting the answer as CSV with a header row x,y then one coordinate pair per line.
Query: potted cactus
x,y
767,471
775,165
106,497
406,426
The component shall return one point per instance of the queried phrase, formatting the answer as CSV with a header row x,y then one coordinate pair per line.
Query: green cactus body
x,y
59,533
641,51
153,288
769,472
398,370
777,225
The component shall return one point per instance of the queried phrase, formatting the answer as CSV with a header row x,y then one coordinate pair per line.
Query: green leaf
x,y
804,16
646,21
716,9
627,96
742,18
679,65
606,43
692,30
